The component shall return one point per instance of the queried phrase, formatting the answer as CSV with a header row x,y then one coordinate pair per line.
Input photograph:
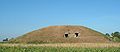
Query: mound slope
x,y
63,34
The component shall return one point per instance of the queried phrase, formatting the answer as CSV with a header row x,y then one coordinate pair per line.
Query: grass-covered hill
x,y
62,34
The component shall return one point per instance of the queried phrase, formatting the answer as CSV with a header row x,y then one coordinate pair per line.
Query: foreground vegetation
x,y
56,49
65,47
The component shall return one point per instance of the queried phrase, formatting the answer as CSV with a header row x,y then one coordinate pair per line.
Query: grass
x,y
56,34
66,47
56,49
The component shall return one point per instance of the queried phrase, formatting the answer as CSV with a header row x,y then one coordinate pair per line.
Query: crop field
x,y
57,49
61,47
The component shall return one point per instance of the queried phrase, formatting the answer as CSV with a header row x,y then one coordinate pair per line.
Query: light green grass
x,y
56,49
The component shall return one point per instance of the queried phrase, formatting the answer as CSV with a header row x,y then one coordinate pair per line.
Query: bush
x,y
115,36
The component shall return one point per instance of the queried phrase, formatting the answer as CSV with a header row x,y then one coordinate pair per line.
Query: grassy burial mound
x,y
62,34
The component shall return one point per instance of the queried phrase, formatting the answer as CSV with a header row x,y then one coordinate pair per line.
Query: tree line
x,y
115,36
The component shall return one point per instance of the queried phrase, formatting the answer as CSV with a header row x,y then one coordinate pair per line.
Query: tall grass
x,y
56,49
66,47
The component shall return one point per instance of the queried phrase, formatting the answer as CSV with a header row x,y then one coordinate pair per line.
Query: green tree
x,y
116,34
107,34
116,39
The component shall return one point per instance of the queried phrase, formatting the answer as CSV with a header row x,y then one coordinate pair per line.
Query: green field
x,y
61,47
56,49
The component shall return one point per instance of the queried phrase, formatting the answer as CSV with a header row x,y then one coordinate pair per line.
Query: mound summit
x,y
62,34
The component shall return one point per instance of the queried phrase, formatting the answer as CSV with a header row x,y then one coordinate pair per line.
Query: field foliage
x,y
56,49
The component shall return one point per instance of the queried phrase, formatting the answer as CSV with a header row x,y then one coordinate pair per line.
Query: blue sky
x,y
18,17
